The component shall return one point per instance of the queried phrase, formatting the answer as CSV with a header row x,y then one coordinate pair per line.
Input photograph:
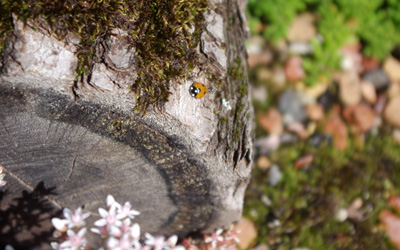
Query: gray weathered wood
x,y
68,144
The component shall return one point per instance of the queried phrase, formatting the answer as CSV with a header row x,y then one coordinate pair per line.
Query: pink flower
x,y
127,211
75,219
214,238
109,217
157,243
75,241
123,243
2,181
60,224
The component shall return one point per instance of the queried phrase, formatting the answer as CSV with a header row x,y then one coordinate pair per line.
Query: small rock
x,y
300,48
287,138
264,199
394,90
317,139
259,93
278,78
392,112
394,202
368,92
291,105
304,161
297,128
354,211
268,144
255,44
391,224
271,121
261,58
338,129
352,58
378,78
263,162
315,112
311,128
275,175
392,67
396,135
361,115
326,99
247,232
349,88
342,215
302,28
380,104
262,247
294,69
263,74
370,64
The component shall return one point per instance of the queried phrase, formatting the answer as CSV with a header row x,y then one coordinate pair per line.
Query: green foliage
x,y
374,23
160,32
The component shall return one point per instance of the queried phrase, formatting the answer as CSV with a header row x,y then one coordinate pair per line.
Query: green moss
x,y
305,201
160,32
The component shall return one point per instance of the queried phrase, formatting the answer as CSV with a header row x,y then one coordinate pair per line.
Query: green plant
x,y
371,22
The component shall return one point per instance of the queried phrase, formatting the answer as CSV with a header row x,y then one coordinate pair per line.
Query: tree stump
x,y
68,143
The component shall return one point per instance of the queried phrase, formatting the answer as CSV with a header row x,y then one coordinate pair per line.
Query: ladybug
x,y
197,90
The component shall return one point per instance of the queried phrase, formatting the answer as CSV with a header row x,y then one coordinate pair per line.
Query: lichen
x,y
164,34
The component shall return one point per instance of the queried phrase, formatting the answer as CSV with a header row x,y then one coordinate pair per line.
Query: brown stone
x,y
302,28
315,112
392,112
361,116
293,69
392,67
247,232
271,121
368,92
349,88
263,162
337,128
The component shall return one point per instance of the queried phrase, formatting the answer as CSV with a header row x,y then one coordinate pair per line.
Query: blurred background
x,y
325,81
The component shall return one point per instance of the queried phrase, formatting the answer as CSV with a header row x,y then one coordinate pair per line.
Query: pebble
x,y
297,128
294,69
300,48
304,161
262,247
394,90
370,64
315,112
380,104
392,67
326,99
247,232
338,129
291,106
317,139
392,111
271,121
342,215
368,92
396,135
302,28
268,144
349,88
263,162
259,93
275,175
361,115
378,78
261,58
287,138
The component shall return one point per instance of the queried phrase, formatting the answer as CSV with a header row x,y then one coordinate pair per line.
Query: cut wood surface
x,y
68,143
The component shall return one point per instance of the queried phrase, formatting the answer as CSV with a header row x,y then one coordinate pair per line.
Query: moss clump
x,y
236,73
164,34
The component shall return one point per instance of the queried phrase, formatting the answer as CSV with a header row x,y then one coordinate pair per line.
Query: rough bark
x,y
67,143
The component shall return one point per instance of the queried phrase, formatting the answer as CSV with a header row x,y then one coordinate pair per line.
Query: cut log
x,y
68,143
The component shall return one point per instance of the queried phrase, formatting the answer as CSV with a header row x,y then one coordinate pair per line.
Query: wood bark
x,y
67,143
